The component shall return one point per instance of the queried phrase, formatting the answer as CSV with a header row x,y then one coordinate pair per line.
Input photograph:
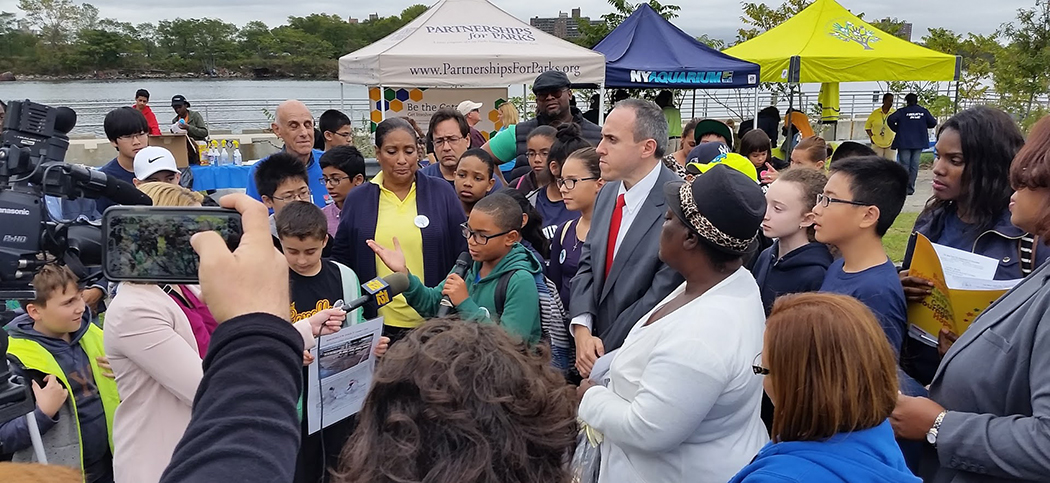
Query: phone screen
x,y
152,244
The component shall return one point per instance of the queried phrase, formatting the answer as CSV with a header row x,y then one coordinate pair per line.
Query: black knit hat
x,y
723,206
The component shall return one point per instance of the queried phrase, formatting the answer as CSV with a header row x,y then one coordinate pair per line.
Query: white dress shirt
x,y
633,199
683,403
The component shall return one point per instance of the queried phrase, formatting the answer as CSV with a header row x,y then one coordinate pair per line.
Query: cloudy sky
x,y
717,18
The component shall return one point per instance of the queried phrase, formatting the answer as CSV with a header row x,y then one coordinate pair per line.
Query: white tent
x,y
461,43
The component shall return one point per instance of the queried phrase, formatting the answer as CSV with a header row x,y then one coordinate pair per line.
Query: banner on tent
x,y
420,103
681,78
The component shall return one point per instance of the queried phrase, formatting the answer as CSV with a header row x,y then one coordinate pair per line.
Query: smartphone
x,y
152,243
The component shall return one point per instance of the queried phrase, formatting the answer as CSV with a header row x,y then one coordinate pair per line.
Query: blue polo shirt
x,y
313,172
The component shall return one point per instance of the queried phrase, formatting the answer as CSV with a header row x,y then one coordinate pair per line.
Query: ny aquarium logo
x,y
681,77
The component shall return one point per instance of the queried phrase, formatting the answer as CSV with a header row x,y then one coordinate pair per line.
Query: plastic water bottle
x,y
237,160
224,155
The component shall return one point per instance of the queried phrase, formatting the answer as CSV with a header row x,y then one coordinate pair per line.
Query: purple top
x,y
331,213
565,258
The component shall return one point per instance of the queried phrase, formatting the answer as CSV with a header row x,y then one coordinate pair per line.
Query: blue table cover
x,y
219,177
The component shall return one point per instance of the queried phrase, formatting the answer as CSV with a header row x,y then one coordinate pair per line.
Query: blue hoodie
x,y
800,270
74,362
867,456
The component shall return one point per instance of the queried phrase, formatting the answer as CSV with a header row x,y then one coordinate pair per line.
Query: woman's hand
x,y
382,347
585,384
103,365
914,416
945,339
588,350
456,289
770,174
394,259
327,321
915,288
308,358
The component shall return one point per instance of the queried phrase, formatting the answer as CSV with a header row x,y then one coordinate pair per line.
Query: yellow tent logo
x,y
847,31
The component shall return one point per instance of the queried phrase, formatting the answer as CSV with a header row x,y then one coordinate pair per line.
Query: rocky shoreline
x,y
258,74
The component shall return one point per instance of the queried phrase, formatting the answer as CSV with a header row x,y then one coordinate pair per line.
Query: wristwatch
x,y
931,435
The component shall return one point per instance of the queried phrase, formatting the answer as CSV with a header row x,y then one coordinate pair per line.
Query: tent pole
x,y
693,107
601,103
754,122
382,102
342,98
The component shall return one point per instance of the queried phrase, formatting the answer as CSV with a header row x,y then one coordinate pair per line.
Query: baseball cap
x,y
550,80
179,100
466,106
712,126
708,155
153,159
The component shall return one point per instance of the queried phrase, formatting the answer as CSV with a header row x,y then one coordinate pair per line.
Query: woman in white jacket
x,y
683,402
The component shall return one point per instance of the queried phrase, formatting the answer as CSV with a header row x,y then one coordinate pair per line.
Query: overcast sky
x,y
717,18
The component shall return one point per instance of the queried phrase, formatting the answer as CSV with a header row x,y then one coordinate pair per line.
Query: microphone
x,y
382,290
124,193
462,265
63,179
65,119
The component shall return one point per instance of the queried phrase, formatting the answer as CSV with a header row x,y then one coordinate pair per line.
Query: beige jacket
x,y
154,355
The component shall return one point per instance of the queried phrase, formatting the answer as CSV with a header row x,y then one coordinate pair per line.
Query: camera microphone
x,y
382,290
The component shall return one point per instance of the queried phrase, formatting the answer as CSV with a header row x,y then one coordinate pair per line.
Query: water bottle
x,y
213,152
224,155
237,160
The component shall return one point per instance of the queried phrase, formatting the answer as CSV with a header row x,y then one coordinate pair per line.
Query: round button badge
x,y
422,221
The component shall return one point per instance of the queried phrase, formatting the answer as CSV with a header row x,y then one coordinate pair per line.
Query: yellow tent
x,y
827,43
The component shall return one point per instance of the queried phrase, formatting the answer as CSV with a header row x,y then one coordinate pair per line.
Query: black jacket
x,y
801,270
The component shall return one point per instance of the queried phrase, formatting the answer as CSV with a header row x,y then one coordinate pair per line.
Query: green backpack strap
x,y
501,294
351,291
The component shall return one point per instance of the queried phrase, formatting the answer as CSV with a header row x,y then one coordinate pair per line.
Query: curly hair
x,y
463,402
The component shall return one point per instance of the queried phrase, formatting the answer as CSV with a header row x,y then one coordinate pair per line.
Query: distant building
x,y
352,21
564,26
905,32
372,17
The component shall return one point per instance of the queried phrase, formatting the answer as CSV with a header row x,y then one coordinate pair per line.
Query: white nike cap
x,y
152,159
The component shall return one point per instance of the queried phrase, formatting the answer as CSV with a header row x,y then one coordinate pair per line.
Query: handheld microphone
x,y
462,265
382,290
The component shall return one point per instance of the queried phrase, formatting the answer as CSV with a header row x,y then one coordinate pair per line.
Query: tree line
x,y
61,37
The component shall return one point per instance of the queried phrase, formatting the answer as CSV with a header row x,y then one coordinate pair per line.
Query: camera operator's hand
x,y
253,278
92,296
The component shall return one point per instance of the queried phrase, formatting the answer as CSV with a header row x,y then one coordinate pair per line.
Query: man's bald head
x,y
294,124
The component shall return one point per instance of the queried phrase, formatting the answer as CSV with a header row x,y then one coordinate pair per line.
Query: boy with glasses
x,y
281,179
493,241
343,168
335,128
128,132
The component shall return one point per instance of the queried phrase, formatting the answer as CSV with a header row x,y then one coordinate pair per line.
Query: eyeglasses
x,y
478,238
570,183
300,196
533,154
345,135
131,137
825,201
335,180
756,366
449,140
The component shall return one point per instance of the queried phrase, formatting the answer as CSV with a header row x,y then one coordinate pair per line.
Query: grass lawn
x,y
896,239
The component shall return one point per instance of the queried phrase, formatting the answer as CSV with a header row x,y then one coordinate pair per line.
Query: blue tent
x,y
647,51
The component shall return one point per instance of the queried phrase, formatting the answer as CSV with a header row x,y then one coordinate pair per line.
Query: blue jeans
x,y
909,158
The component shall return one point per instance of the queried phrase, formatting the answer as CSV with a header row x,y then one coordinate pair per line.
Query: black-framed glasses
x,y
533,154
335,180
570,183
300,196
756,366
826,201
131,137
478,238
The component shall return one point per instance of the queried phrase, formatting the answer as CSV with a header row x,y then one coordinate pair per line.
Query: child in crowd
x,y
811,152
474,177
142,104
531,228
342,168
548,199
795,262
851,149
538,147
493,231
60,351
128,132
335,129
757,148
156,164
859,203
281,179
580,183
316,285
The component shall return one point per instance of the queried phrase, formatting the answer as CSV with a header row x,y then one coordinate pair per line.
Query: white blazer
x,y
683,403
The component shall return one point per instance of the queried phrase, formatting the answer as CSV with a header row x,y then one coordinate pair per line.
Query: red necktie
x,y
614,231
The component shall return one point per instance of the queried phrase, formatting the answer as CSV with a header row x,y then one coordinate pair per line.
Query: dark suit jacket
x,y
638,280
995,384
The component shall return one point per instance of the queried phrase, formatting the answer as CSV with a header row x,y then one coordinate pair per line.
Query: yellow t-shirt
x,y
397,218
881,134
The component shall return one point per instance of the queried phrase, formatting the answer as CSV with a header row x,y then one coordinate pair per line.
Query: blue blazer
x,y
442,239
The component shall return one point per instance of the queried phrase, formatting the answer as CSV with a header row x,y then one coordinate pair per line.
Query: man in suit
x,y
621,277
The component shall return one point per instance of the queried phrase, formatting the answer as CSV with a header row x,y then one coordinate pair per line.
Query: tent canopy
x,y
647,51
833,45
468,43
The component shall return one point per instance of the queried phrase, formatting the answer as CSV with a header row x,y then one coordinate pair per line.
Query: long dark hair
x,y
990,141
455,401
532,232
